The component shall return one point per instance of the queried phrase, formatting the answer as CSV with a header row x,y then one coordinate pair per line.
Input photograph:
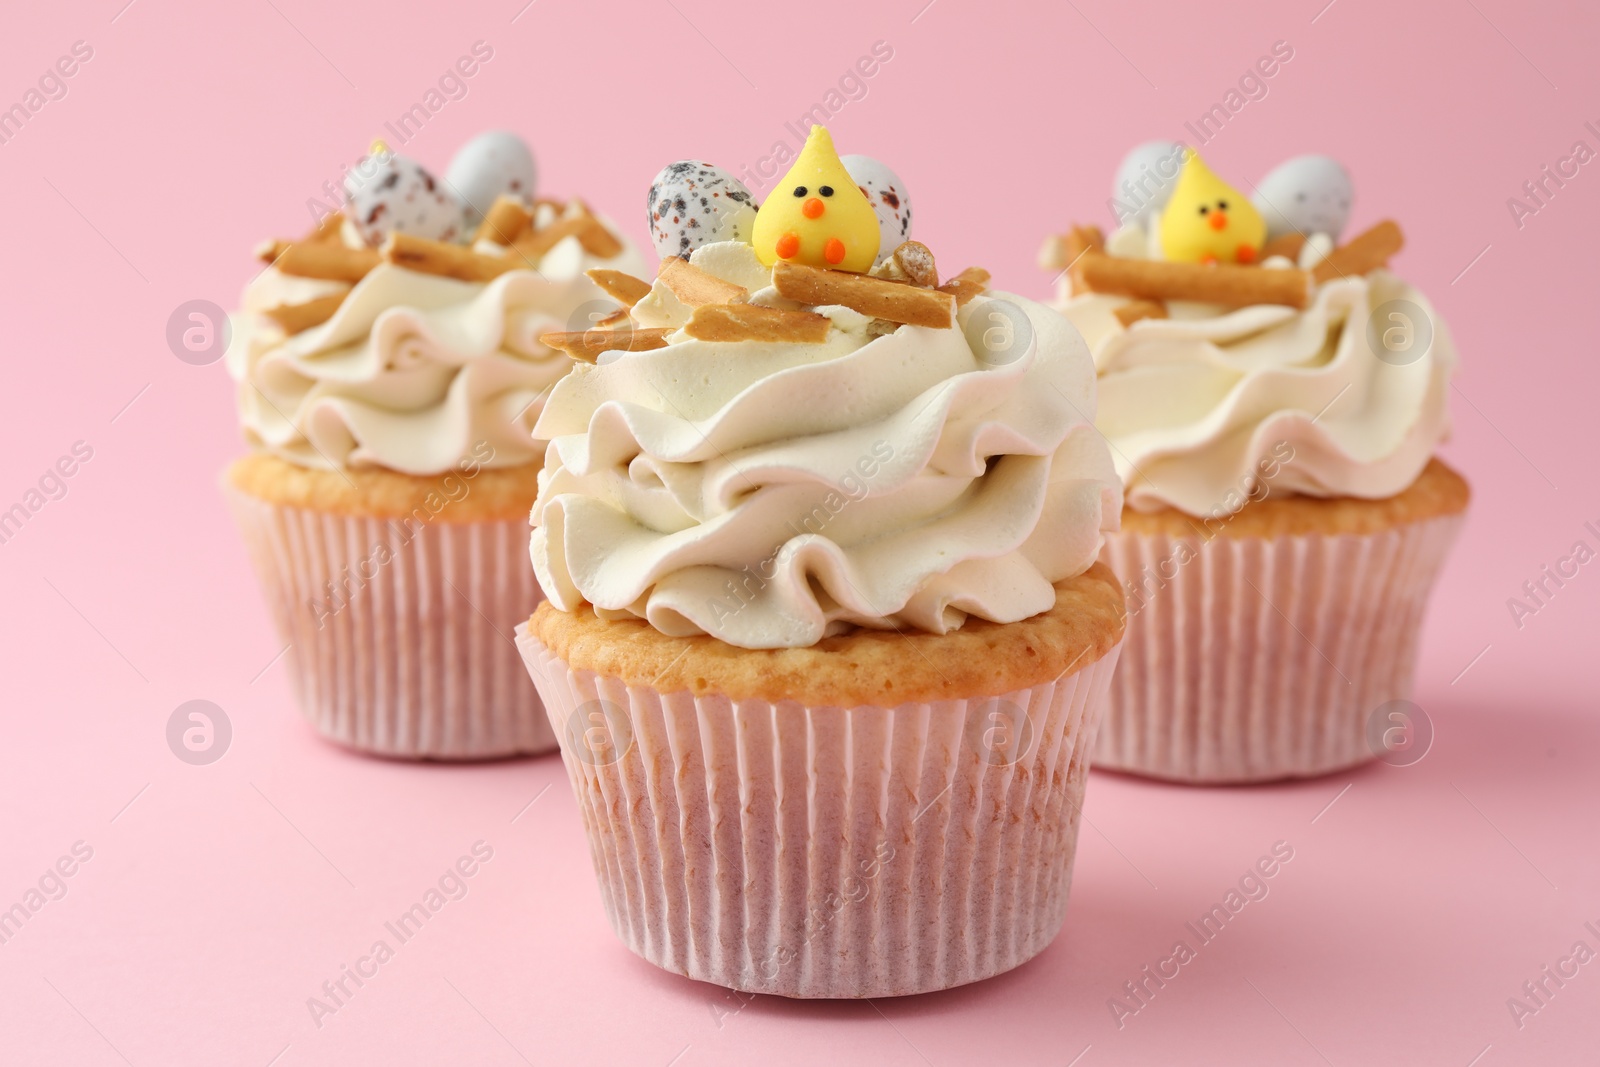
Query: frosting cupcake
x,y
1273,400
825,640
389,374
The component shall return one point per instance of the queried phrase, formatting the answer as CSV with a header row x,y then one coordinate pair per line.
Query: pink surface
x,y
219,898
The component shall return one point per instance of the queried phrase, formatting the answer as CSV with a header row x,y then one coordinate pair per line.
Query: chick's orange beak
x,y
1219,220
812,208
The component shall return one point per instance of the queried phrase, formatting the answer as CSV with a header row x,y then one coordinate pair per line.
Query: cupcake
x,y
389,373
826,640
1273,399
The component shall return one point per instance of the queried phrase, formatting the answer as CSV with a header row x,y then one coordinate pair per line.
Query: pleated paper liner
x,y
410,651
1257,659
826,851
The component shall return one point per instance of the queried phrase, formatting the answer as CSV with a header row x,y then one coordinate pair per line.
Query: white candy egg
x,y
889,199
692,203
390,193
493,164
1306,194
1145,181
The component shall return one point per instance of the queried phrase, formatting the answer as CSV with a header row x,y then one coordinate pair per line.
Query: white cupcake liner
x,y
416,661
823,851
1263,659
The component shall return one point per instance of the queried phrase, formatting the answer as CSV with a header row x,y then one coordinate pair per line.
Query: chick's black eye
x,y
825,190
1223,204
1204,209
799,190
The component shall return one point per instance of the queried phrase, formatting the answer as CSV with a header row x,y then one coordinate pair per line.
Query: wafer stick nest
x,y
893,301
748,322
330,260
586,346
620,286
443,258
323,254
1062,250
966,285
1223,283
694,287
297,318
1287,245
1137,310
1151,282
504,222
532,244
1364,252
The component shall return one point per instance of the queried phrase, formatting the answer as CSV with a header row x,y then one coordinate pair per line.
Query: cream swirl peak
x,y
413,354
1232,356
768,490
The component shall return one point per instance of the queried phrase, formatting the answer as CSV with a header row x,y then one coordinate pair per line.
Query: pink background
x,y
219,898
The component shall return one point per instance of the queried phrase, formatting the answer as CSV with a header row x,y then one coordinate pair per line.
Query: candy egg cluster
x,y
842,213
1306,196
391,193
692,203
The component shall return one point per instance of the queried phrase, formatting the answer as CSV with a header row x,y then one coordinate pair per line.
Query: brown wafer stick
x,y
614,321
504,222
295,318
1132,312
695,287
1366,251
966,285
620,285
531,245
597,240
269,250
748,322
447,260
1062,250
326,259
881,299
1221,283
586,345
1287,245
590,232
1081,239
328,229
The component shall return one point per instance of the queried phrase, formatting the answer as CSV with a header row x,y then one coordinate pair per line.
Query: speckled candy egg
x,y
1145,181
889,199
1307,194
491,165
692,203
390,193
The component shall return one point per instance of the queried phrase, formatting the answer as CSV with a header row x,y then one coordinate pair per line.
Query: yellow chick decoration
x,y
1209,221
817,215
